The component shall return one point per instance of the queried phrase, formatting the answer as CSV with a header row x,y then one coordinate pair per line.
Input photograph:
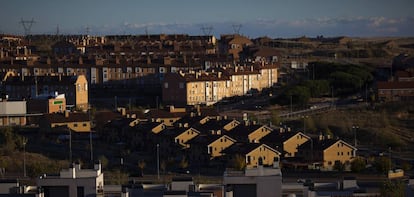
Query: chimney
x,y
219,75
48,61
148,60
198,110
66,113
80,60
251,68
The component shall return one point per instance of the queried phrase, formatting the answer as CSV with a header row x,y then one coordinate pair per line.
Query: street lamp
x,y
355,128
158,161
24,156
304,123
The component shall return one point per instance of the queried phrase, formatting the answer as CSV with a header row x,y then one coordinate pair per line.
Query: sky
x,y
253,18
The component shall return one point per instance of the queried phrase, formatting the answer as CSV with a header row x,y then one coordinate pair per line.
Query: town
x,y
183,115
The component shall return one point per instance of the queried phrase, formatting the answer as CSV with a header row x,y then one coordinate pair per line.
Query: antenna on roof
x,y
207,30
87,30
57,30
27,25
236,28
146,31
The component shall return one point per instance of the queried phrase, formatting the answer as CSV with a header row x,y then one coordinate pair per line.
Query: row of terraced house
x,y
207,139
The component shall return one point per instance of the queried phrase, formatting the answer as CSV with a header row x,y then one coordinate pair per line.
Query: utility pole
x,y
27,26
90,133
355,128
24,156
158,161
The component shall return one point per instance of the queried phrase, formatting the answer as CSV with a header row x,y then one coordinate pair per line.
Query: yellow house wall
x,y
231,125
81,89
266,154
219,145
342,153
75,126
195,92
258,134
290,146
185,136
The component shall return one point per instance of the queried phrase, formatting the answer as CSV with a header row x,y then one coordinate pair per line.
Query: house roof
x,y
241,131
214,125
42,80
60,117
278,138
244,148
321,145
395,85
206,139
160,113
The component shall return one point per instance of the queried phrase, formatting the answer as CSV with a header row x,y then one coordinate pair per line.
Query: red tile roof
x,y
395,85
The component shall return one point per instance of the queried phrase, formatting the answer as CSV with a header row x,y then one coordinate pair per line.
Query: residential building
x,y
254,154
184,135
259,181
12,113
73,182
327,152
249,132
396,91
55,103
233,44
75,88
288,142
204,148
209,87
78,122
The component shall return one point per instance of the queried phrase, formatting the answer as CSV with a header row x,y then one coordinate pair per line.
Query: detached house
x,y
286,141
327,152
255,154
249,133
208,147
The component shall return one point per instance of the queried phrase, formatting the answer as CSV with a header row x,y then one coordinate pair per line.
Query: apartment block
x,y
209,87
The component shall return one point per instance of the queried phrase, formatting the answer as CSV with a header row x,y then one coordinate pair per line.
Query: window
x,y
84,124
248,160
75,125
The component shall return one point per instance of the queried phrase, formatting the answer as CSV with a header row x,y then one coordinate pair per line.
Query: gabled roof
x,y
241,131
279,138
205,140
395,85
179,131
42,80
60,118
321,145
159,113
213,125
148,125
245,148
189,119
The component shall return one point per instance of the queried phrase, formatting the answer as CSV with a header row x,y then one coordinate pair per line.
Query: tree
x,y
275,119
383,164
239,162
104,161
358,164
393,188
163,166
141,166
339,166
300,95
183,163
